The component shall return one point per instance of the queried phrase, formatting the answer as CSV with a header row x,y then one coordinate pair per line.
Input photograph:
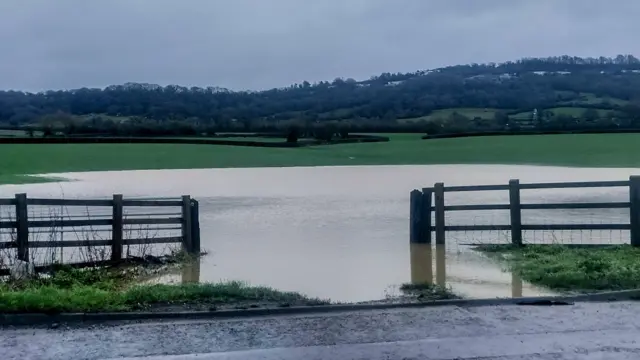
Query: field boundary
x,y
39,319
195,141
530,132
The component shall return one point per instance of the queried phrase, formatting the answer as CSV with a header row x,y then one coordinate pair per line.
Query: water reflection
x,y
191,272
516,285
187,273
497,283
441,265
421,264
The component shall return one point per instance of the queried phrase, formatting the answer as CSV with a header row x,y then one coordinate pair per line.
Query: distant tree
x,y
47,131
293,134
456,123
564,122
501,119
434,127
590,115
323,132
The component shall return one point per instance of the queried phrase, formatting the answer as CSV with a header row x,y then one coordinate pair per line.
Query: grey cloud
x,y
256,44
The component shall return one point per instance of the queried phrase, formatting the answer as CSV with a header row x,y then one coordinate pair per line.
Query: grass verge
x,y
25,179
105,290
427,292
572,269
415,293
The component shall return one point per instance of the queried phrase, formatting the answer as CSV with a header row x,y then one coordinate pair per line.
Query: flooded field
x,y
342,232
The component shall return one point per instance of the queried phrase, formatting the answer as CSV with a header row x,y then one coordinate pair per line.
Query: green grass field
x,y
589,98
471,113
575,111
233,138
572,111
17,133
586,150
489,113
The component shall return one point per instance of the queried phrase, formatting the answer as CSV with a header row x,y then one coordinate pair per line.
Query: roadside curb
x,y
47,319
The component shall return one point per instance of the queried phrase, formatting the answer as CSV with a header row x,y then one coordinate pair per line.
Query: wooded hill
x,y
557,92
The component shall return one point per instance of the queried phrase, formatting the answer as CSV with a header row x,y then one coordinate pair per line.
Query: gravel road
x,y
582,331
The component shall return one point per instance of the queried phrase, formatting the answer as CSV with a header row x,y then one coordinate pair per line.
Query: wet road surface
x,y
582,331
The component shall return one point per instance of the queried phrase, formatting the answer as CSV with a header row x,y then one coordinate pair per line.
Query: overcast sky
x,y
258,44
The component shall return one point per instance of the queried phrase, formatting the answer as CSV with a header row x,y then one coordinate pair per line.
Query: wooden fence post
x,y
634,209
415,217
117,229
515,212
425,225
439,215
195,227
187,241
22,227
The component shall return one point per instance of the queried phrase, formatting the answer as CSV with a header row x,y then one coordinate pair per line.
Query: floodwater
x,y
342,232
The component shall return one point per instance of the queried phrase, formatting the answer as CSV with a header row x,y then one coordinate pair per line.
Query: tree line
x,y
387,102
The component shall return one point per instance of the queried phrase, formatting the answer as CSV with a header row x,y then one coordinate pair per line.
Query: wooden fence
x,y
432,200
187,220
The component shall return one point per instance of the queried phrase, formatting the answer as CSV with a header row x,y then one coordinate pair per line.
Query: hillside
x,y
556,92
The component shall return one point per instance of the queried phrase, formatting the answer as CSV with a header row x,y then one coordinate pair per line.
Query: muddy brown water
x,y
342,232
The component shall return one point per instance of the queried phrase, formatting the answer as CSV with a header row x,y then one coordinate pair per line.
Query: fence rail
x,y
432,200
185,218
